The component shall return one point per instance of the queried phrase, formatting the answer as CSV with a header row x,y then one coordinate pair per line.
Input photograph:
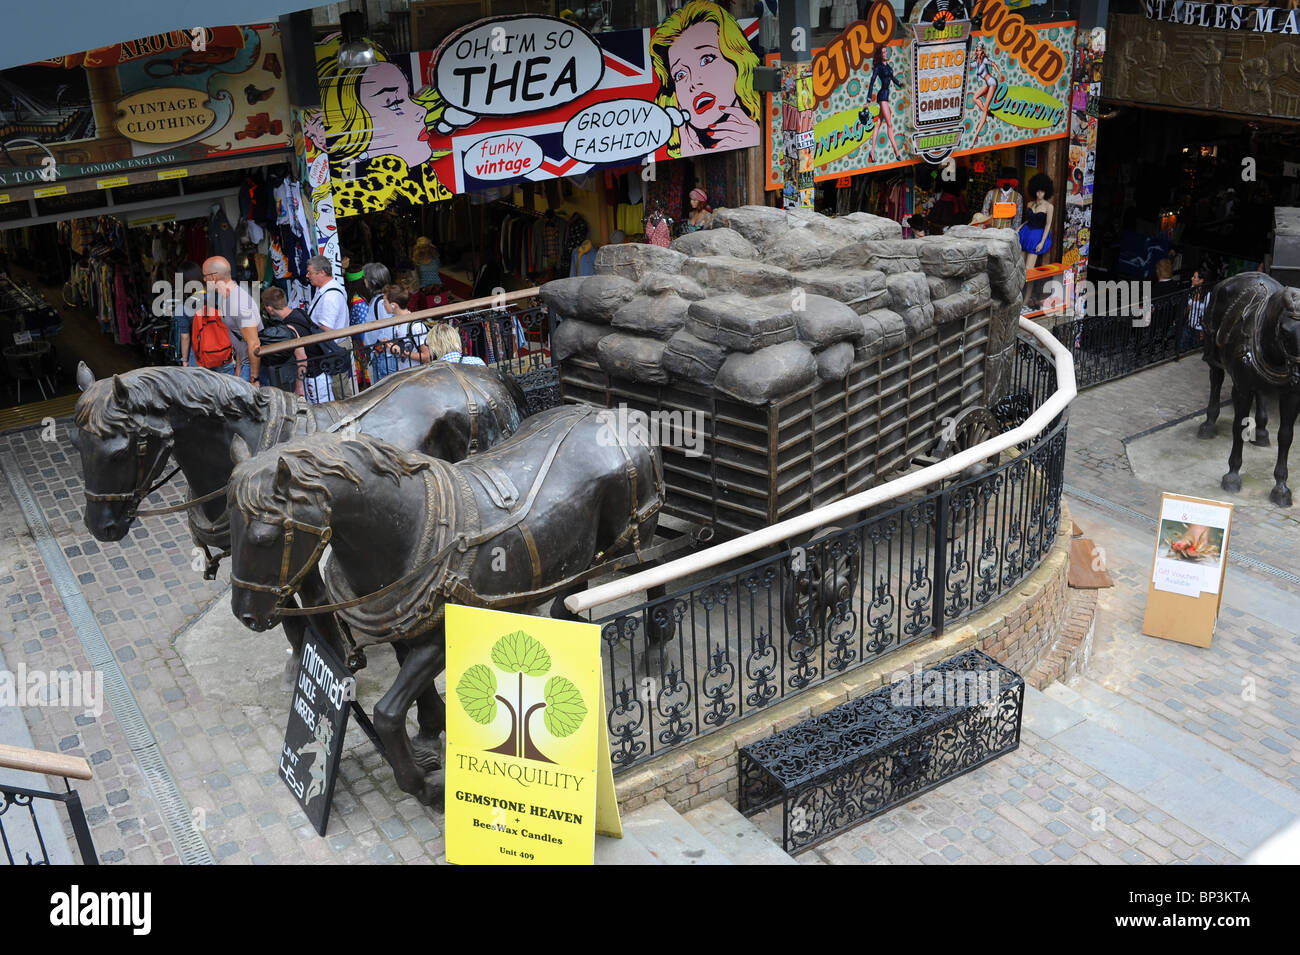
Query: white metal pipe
x,y
796,527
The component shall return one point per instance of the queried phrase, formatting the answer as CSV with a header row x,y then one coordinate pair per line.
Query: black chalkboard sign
x,y
313,740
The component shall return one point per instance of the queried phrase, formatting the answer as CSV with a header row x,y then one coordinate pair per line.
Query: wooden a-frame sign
x,y
1184,596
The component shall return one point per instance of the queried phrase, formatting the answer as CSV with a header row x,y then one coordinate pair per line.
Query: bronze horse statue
x,y
1252,330
506,529
129,425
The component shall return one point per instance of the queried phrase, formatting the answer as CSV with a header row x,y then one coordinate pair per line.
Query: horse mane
x,y
154,391
310,461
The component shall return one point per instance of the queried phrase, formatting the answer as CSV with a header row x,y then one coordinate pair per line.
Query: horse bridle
x,y
144,478
288,586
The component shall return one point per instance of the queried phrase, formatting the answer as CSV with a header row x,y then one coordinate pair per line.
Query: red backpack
x,y
211,338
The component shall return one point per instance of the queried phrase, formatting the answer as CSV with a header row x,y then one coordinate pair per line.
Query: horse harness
x,y
287,416
1244,335
421,594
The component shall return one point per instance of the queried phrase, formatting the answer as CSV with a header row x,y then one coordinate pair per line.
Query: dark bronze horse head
x,y
281,505
122,453
125,434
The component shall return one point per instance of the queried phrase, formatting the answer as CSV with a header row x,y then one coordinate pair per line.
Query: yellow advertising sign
x,y
162,116
112,183
49,191
525,754
173,174
843,133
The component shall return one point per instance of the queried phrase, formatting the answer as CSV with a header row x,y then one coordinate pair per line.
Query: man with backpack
x,y
204,338
283,324
240,315
329,312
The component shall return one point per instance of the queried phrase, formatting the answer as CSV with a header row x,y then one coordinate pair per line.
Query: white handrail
x,y
850,506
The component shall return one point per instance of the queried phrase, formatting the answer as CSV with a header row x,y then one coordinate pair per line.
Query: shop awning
x,y
41,31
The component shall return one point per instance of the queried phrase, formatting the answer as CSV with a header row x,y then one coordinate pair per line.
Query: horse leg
x,y
295,629
1288,405
1261,420
431,714
424,661
1241,400
1208,427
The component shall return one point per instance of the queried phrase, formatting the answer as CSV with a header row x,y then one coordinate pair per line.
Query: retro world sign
x,y
945,90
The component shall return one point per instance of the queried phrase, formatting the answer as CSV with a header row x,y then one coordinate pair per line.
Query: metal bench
x,y
854,762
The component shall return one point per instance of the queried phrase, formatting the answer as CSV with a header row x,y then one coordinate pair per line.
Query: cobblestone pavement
x,y
1162,753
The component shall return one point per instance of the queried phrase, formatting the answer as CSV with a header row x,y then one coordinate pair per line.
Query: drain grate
x,y
190,846
1244,560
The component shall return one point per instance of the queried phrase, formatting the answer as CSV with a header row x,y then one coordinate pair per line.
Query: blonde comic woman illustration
x,y
705,66
377,128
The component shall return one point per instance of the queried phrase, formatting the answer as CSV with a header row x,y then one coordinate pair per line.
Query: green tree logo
x,y
563,708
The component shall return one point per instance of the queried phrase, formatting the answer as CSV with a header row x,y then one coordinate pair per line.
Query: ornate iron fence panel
x,y
1110,346
757,634
18,818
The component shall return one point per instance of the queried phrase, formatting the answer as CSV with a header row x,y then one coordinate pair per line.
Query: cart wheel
x,y
972,426
817,584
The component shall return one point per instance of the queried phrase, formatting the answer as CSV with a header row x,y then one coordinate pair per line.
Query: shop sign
x,y
528,776
526,98
170,102
853,48
506,66
164,116
49,191
1225,16
313,739
948,90
173,173
939,48
112,183
838,135
1026,107
1040,56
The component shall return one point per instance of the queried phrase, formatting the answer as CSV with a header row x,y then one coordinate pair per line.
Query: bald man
x,y
240,313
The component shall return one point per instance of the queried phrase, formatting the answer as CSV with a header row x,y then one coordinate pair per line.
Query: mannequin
x,y
1036,233
701,216
658,227
1000,200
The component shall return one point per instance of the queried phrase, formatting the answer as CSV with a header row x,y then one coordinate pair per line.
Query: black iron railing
x,y
20,826
1129,339
753,636
516,341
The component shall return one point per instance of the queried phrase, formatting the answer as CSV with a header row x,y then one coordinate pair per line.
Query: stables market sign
x,y
1224,16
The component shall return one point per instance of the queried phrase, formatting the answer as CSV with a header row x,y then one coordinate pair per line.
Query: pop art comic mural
x,y
529,98
178,97
1085,99
945,90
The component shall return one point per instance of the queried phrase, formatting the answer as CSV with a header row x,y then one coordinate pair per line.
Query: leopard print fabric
x,y
384,182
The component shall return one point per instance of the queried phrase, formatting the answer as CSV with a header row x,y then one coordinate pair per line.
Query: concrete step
x,y
712,834
1197,783
742,841
659,832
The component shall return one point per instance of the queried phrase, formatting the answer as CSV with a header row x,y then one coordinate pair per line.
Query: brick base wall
x,y
1037,630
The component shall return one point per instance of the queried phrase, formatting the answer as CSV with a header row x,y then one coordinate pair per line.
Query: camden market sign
x,y
1224,16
